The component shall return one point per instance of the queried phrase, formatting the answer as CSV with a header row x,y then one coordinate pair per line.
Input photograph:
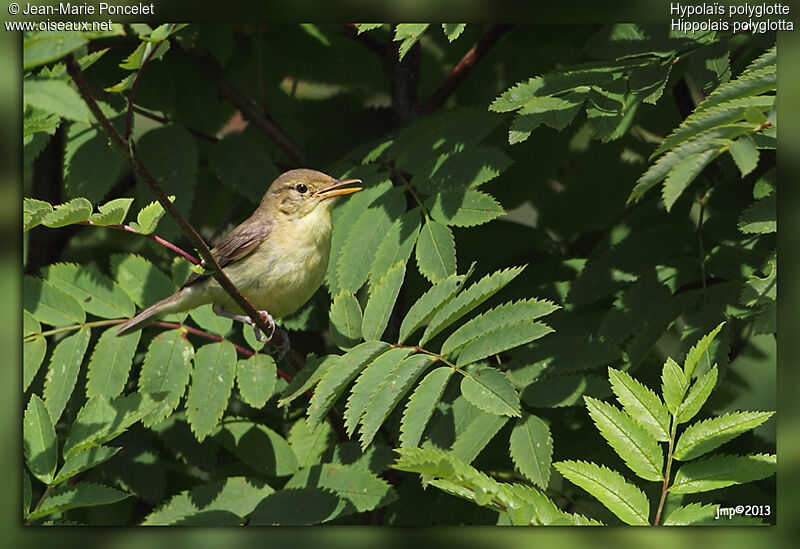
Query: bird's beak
x,y
337,189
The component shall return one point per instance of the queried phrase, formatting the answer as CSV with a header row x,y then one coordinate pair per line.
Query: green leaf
x,y
490,390
39,441
110,363
381,302
501,338
436,251
367,383
563,390
464,208
429,304
641,404
409,33
83,461
683,174
166,369
222,502
309,442
363,490
468,300
345,320
396,245
74,211
673,385
44,47
702,437
718,472
55,96
148,217
297,507
531,448
760,217
697,396
62,373
364,27
453,30
96,293
388,394
72,496
243,165
421,404
91,166
112,212
504,315
33,350
208,320
259,447
638,449
212,381
692,514
101,420
745,154
255,377
33,212
26,493
556,112
306,378
472,439
342,371
611,489
698,351
749,83
141,280
454,172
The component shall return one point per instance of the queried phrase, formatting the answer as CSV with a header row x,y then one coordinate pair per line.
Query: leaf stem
x,y
45,495
665,486
73,327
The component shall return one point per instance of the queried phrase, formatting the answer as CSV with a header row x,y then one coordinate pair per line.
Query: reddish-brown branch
x,y
167,244
464,67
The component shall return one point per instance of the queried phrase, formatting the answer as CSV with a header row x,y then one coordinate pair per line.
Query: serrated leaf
x,y
39,441
359,487
697,396
501,338
97,294
74,211
44,47
750,82
82,461
472,439
306,378
429,304
718,472
364,27
345,320
333,382
409,33
310,442
166,369
461,208
396,245
421,404
556,112
641,403
468,300
490,390
62,372
222,502
297,507
110,363
760,217
745,154
148,217
33,212
611,489
388,394
673,385
112,212
702,437
531,449
466,167
563,390
698,351
255,377
259,447
33,350
212,382
366,384
72,496
242,164
638,449
682,175
453,30
91,166
692,514
100,420
506,314
381,302
143,281
436,251
208,320
55,96
26,493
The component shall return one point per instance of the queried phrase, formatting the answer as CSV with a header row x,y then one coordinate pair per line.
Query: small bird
x,y
277,257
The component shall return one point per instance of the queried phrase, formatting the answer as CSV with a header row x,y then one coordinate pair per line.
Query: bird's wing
x,y
241,241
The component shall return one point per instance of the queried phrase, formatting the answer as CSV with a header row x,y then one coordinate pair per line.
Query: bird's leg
x,y
283,345
247,320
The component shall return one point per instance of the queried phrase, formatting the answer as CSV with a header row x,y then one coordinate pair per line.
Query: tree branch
x,y
129,151
464,67
166,243
376,46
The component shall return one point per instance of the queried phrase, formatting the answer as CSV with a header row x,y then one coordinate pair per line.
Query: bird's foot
x,y
263,338
282,345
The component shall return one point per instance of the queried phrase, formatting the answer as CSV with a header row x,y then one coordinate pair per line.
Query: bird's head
x,y
299,192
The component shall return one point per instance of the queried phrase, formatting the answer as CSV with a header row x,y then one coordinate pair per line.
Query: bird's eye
x,y
301,188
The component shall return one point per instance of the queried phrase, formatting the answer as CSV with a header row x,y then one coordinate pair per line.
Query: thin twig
x,y
132,94
376,46
165,120
167,244
464,67
129,151
665,485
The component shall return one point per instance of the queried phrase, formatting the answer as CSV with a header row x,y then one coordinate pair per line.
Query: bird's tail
x,y
151,314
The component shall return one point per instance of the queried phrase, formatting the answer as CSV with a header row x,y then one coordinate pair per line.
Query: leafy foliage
x,y
504,265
